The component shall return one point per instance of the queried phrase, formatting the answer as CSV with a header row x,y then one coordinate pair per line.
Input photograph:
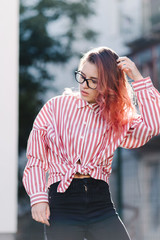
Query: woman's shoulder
x,y
64,98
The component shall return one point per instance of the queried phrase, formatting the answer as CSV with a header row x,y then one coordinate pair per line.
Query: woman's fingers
x,y
41,213
129,67
122,59
41,217
35,216
124,62
44,218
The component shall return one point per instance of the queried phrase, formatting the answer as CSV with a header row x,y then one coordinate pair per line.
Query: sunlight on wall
x,y
9,115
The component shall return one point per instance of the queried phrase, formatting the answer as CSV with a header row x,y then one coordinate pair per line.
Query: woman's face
x,y
89,71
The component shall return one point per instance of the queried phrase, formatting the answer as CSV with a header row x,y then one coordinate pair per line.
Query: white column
x,y
9,11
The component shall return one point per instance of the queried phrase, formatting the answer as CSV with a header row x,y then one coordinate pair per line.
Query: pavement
x,y
28,229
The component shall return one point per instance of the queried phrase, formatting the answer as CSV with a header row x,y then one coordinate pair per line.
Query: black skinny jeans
x,y
84,211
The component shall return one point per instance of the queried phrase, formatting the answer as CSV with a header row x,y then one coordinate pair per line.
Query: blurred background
x,y
41,44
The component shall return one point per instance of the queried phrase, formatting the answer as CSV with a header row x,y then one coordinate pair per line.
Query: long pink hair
x,y
114,91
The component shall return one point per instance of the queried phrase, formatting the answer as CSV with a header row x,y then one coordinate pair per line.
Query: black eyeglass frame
x,y
85,79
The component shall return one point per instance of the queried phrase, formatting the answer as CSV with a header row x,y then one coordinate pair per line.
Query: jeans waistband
x,y
78,184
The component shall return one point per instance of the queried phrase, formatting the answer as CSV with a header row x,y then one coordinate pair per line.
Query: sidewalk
x,y
7,237
28,229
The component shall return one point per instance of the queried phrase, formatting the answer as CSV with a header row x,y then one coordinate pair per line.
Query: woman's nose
x,y
84,84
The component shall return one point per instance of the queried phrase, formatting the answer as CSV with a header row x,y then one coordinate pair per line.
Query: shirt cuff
x,y
39,197
142,84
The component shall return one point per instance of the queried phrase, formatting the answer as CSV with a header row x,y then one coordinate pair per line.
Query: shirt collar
x,y
96,109
82,103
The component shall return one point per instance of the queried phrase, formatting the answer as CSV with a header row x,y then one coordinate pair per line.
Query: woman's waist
x,y
95,188
79,175
66,174
55,176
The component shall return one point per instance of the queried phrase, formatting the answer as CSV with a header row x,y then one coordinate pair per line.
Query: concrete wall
x,y
8,114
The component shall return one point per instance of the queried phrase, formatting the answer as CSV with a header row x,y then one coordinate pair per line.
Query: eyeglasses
x,y
91,83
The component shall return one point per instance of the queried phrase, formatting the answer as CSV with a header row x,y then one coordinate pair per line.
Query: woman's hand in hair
x,y
129,67
41,212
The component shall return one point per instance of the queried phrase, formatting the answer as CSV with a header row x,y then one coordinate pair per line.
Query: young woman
x,y
74,138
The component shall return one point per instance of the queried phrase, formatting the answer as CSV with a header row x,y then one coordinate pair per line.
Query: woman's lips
x,y
84,93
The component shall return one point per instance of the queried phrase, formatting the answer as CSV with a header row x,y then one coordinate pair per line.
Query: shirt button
x,y
82,137
84,122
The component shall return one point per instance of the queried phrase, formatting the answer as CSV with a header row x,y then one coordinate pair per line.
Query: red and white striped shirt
x,y
68,129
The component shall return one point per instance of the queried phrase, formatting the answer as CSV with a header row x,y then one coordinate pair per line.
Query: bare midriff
x,y
78,175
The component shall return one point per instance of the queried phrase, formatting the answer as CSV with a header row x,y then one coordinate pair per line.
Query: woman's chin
x,y
84,97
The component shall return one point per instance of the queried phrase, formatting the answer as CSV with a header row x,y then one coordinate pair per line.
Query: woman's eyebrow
x,y
90,77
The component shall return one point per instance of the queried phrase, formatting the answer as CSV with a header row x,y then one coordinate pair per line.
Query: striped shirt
x,y
69,129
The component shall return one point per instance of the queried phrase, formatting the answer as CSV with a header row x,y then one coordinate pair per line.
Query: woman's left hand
x,y
129,67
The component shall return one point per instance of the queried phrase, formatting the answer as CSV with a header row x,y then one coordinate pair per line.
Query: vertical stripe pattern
x,y
68,129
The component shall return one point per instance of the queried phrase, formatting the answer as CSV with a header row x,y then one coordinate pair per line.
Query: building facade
x,y
141,196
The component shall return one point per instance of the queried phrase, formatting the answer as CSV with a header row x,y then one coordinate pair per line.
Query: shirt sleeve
x,y
147,124
34,177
